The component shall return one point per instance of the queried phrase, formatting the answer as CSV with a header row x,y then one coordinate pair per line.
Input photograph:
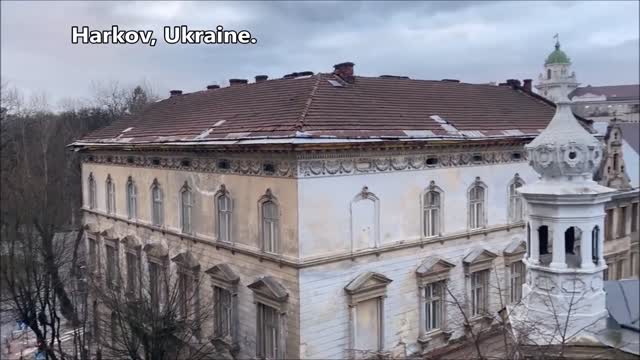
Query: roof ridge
x,y
307,106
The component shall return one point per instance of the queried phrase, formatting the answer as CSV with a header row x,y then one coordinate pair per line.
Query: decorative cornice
x,y
316,164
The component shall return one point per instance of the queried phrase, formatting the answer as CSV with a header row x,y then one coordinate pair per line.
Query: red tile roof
x,y
311,107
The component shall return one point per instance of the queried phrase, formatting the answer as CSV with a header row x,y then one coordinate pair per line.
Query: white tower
x,y
563,296
556,75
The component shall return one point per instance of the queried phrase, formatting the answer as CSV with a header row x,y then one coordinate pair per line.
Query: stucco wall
x,y
324,304
245,192
324,203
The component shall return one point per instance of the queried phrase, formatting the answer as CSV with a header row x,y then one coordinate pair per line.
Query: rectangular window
x,y
433,305
93,255
368,324
620,273
634,264
270,226
517,279
479,283
222,312
634,217
622,222
185,287
608,225
186,211
112,266
156,284
268,327
157,206
224,218
133,272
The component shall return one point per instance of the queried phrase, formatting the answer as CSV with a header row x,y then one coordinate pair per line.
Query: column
x,y
558,258
534,252
585,247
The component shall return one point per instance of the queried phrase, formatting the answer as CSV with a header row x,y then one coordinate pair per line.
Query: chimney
x,y
345,71
261,78
527,85
514,83
175,93
212,87
234,82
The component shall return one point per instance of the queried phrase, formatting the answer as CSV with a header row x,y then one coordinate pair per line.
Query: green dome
x,y
557,57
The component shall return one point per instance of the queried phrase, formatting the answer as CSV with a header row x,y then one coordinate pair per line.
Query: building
x,y
603,103
341,214
565,259
557,76
597,103
614,111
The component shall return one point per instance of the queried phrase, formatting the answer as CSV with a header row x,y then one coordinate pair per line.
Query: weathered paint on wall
x,y
245,192
324,203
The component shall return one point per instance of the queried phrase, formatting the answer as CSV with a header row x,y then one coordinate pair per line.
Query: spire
x,y
557,37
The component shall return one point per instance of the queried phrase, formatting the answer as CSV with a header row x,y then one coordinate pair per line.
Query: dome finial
x,y
557,37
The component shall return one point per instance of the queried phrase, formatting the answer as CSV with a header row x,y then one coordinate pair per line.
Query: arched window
x,y
156,203
223,214
270,219
132,204
548,73
595,244
92,192
477,210
516,203
111,195
186,205
615,161
432,211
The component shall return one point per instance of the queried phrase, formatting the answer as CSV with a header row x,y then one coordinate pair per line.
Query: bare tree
x,y
164,321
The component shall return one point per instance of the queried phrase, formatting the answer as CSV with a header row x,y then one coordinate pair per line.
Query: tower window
x,y
548,73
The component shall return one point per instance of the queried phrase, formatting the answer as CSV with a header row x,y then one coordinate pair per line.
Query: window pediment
x,y
366,282
432,269
516,247
187,260
514,251
223,273
478,259
155,250
109,234
131,241
269,288
91,228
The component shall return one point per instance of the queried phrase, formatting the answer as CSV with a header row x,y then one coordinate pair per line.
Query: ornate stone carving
x,y
307,165
545,283
574,285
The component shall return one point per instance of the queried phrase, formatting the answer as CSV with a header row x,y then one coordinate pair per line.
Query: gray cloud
x,y
472,41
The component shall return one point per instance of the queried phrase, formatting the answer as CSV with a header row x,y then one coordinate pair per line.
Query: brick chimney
x,y
234,82
345,71
213,87
175,93
261,78
514,83
527,85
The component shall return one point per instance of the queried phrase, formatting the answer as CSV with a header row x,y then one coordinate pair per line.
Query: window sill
x,y
439,334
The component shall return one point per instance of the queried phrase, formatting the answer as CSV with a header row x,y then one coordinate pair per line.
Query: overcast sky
x,y
471,41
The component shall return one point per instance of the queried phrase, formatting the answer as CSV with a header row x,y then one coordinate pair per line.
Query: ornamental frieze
x,y
328,167
311,166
